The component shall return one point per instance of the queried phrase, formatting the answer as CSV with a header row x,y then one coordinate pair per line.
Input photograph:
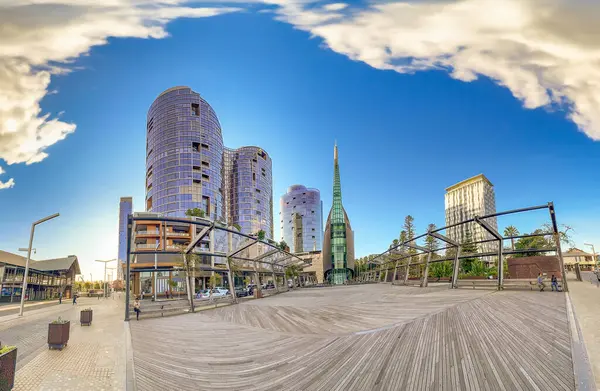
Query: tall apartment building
x,y
301,219
184,155
125,209
467,199
338,240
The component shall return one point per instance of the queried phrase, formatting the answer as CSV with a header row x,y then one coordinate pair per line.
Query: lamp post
x,y
156,268
29,257
593,252
104,282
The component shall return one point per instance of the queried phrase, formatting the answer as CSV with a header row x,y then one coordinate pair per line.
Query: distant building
x,y
125,209
301,219
46,279
584,259
338,240
249,189
313,267
184,155
465,200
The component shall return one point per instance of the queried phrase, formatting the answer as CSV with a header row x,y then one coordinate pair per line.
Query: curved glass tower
x,y
249,189
184,155
301,219
338,241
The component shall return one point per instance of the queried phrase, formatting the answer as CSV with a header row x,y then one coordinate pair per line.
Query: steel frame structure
x,y
276,257
457,245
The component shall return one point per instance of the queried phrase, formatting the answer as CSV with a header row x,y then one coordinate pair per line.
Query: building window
x,y
205,177
196,168
205,164
313,230
205,146
197,181
258,191
149,203
196,147
196,109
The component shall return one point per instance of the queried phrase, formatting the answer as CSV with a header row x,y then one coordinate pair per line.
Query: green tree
x,y
196,212
283,246
215,280
511,230
563,233
292,272
87,285
533,242
431,242
188,263
468,247
260,235
97,285
440,269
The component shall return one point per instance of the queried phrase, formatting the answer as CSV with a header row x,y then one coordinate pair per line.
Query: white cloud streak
x,y
40,38
546,52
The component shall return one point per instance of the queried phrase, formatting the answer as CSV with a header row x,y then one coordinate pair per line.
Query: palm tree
x,y
511,230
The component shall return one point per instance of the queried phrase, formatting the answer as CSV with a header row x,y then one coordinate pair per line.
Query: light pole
x,y
156,269
593,252
29,257
104,282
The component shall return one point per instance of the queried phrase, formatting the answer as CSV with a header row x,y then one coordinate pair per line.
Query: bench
x,y
530,283
477,283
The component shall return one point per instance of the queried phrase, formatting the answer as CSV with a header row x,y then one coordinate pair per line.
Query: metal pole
x,y
128,267
156,270
425,277
104,282
230,277
558,249
455,269
500,267
24,286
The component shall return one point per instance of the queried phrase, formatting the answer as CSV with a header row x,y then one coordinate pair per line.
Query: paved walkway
x,y
585,297
367,337
94,358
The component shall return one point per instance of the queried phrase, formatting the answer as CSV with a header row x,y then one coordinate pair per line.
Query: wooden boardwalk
x,y
369,337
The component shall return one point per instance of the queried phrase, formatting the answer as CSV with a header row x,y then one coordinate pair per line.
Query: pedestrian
x,y
597,278
142,295
554,282
74,298
540,282
59,297
136,308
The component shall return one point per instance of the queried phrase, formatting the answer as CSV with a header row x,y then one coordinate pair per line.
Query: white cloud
x,y
547,52
7,185
40,38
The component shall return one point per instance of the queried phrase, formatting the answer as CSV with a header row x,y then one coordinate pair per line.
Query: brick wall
x,y
529,267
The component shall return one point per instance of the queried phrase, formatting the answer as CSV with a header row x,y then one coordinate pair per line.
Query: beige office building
x,y
467,199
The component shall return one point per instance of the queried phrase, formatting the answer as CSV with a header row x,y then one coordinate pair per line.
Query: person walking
x,y
59,297
136,308
554,282
74,298
540,282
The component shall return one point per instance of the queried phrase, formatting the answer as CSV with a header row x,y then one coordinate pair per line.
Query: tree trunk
x,y
512,244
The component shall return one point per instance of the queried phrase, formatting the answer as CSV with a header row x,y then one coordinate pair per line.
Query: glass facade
x,y
125,209
184,155
249,189
301,219
338,228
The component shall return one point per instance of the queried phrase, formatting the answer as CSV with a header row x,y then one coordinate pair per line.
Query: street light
x,y
593,252
29,257
105,262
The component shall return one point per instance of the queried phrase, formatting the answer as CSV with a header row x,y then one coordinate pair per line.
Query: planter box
x,y
8,363
58,335
85,317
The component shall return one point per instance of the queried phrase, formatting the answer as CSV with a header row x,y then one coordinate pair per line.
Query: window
x,y
196,147
205,164
196,168
197,181
313,230
258,201
253,176
205,146
258,191
313,236
312,211
205,177
196,109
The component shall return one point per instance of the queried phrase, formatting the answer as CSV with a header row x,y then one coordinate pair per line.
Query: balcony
x,y
145,246
180,234
151,232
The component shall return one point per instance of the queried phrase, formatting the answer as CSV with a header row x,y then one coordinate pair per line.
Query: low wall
x,y
529,267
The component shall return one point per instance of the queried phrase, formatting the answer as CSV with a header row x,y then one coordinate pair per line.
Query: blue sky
x,y
403,137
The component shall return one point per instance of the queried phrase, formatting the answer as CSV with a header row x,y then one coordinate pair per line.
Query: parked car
x,y
269,285
241,292
219,292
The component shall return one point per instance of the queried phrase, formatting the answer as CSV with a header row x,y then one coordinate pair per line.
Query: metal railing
x,y
154,232
144,245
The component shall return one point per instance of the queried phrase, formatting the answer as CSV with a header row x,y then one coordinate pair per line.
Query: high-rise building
x,y
249,189
338,241
465,200
184,155
301,219
125,209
